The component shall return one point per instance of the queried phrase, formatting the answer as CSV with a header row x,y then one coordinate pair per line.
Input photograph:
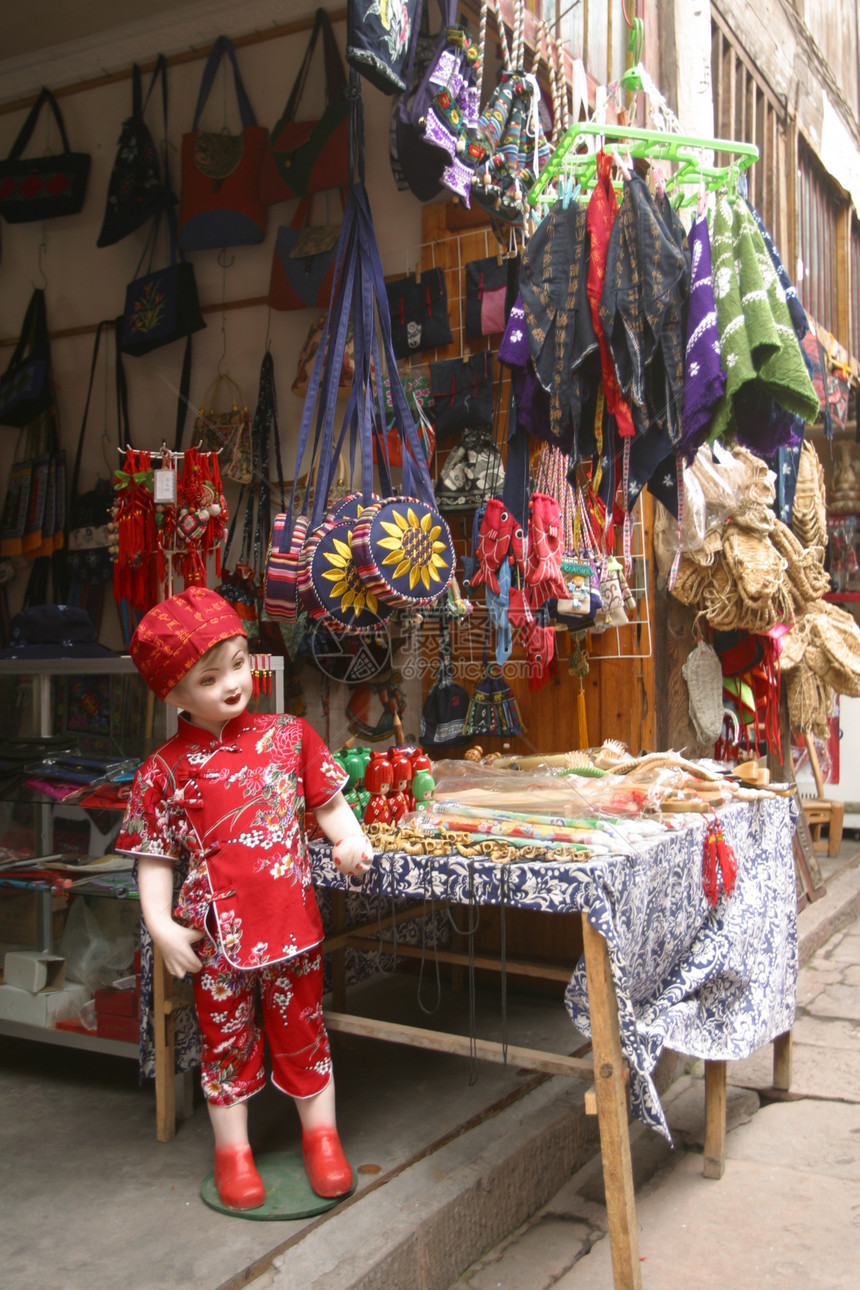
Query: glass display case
x,y
72,732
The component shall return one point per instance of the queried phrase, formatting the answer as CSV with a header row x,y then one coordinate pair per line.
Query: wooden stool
x,y
820,811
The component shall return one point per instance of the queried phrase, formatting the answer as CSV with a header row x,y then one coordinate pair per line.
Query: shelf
x,y
119,666
69,1039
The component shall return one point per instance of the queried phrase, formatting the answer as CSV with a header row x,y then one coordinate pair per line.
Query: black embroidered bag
x,y
419,313
378,40
160,306
42,187
136,189
25,386
462,392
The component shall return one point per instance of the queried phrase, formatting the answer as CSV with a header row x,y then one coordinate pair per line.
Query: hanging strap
x,y
115,324
34,331
122,423
29,125
221,48
416,477
77,465
184,390
328,360
160,70
335,76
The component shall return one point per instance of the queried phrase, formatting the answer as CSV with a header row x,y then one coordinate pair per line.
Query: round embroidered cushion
x,y
403,552
329,584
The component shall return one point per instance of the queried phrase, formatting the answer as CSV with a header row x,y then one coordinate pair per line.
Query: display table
x,y
661,967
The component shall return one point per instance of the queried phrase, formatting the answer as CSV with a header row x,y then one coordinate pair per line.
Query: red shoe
x,y
236,1179
328,1170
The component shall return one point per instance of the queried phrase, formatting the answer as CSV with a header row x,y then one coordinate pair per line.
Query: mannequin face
x,y
218,687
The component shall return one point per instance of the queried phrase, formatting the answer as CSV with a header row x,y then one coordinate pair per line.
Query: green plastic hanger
x,y
684,151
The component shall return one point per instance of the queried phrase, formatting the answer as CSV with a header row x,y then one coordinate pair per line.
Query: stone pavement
x,y
786,1212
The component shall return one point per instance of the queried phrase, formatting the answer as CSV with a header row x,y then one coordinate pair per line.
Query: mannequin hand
x,y
174,942
353,854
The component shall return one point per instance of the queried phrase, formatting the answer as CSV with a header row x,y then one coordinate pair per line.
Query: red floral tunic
x,y
233,808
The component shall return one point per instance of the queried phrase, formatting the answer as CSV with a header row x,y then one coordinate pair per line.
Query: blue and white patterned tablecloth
x,y
708,982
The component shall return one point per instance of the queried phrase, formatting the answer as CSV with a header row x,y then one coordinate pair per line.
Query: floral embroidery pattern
x,y
147,312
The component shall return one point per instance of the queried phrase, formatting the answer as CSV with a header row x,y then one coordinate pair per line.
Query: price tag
x,y
164,487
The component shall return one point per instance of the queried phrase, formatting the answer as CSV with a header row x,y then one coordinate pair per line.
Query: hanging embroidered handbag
x,y
436,120
227,433
304,157
419,313
136,189
25,386
378,39
220,203
35,507
308,353
486,291
462,392
88,543
510,125
473,472
42,187
160,306
402,547
303,262
394,438
422,55
443,714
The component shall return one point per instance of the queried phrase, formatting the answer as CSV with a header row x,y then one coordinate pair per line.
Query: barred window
x,y
854,311
746,110
818,211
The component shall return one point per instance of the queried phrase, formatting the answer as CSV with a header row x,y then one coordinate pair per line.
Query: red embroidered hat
x,y
172,636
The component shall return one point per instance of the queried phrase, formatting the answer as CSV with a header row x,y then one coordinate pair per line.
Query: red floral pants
x,y
290,1010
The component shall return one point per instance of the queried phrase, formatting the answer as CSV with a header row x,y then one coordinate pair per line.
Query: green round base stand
x,y
288,1192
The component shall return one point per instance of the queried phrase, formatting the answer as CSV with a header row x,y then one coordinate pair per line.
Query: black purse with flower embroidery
x,y
161,306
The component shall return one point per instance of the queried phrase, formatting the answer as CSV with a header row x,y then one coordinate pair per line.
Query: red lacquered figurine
x,y
400,801
379,781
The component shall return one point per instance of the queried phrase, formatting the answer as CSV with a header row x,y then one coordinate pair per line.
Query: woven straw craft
x,y
704,676
809,515
755,565
691,581
836,634
808,702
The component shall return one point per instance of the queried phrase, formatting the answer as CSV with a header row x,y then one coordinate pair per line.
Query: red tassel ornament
x,y
709,866
718,859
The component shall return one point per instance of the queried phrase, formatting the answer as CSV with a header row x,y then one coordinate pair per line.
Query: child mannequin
x,y
227,794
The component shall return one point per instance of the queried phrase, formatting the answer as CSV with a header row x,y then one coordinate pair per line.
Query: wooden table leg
x,y
715,1120
611,1112
782,1050
338,957
162,1020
